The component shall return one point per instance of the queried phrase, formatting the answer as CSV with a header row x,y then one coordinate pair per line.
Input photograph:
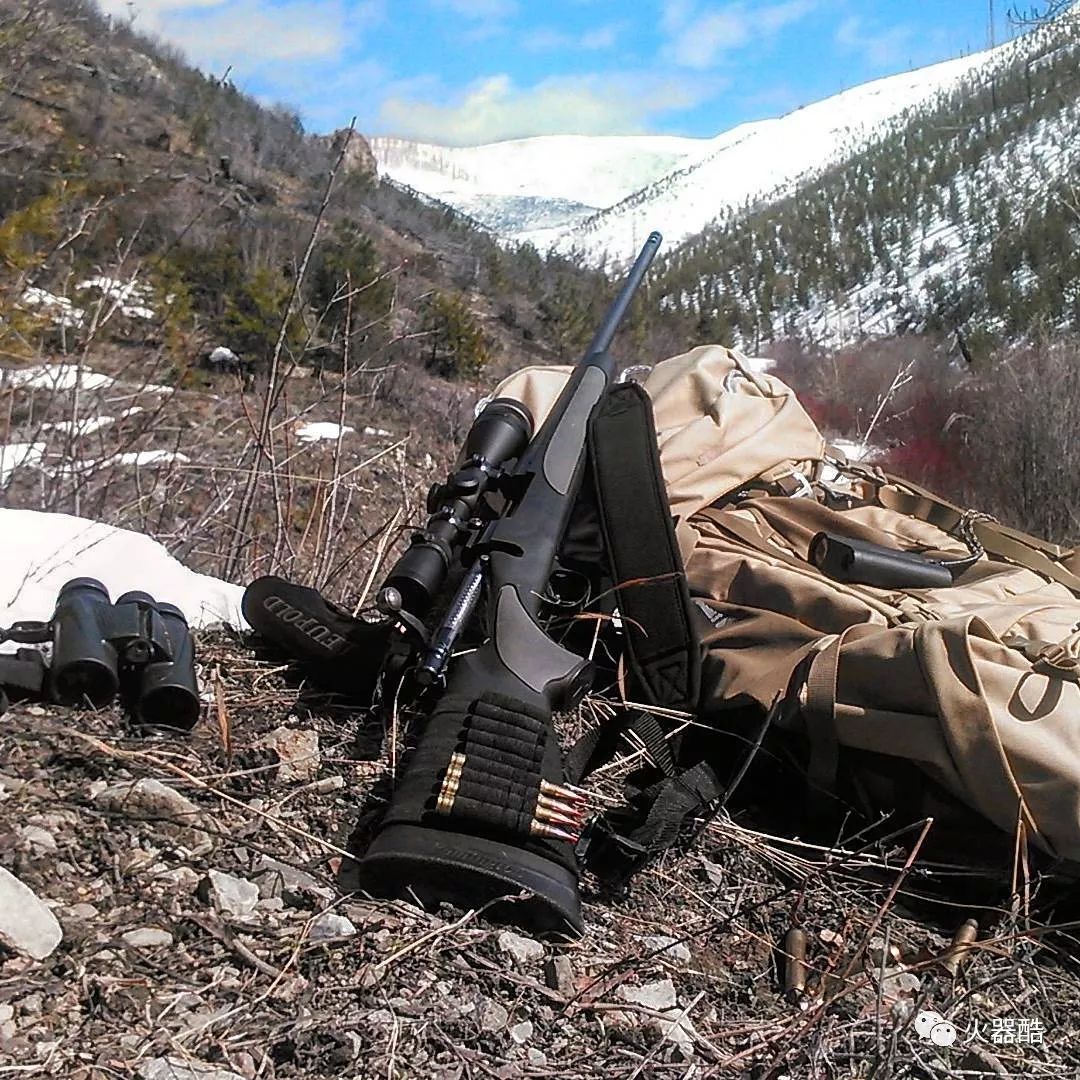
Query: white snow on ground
x,y
595,170
39,552
376,431
147,457
759,365
57,377
89,424
132,297
317,431
64,312
14,455
854,450
68,377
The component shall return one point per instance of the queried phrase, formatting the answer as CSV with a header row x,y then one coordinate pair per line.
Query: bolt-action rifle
x,y
481,810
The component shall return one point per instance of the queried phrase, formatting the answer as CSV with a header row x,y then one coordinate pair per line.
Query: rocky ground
x,y
178,919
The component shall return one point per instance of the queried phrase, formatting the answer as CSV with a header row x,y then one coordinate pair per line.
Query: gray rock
x,y
522,1033
660,997
81,911
181,878
231,895
559,974
172,1068
493,1016
655,995
714,875
330,925
536,1058
669,949
149,798
38,837
26,924
280,879
297,751
522,949
147,937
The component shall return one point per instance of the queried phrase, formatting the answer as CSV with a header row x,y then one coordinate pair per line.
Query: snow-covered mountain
x,y
525,188
602,194
961,213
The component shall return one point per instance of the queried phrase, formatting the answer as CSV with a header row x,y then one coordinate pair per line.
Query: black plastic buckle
x,y
610,856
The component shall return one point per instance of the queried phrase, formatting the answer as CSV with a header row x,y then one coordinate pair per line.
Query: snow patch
x,y
39,552
131,297
83,426
68,377
57,377
64,312
15,455
318,431
148,457
854,450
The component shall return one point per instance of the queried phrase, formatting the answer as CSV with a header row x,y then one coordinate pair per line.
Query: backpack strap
x,y
639,537
1017,547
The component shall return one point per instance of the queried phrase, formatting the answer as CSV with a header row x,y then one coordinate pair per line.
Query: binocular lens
x,y
89,679
167,706
84,663
168,694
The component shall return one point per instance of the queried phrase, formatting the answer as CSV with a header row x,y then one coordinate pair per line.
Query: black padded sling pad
x,y
639,535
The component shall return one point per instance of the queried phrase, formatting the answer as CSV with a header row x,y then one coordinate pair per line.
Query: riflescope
x,y
498,435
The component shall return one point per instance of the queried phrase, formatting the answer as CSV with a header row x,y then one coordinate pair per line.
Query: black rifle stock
x,y
480,811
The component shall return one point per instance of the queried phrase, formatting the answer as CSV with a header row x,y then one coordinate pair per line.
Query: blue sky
x,y
468,71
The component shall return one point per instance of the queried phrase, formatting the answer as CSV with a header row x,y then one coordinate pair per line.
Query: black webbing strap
x,y
670,811
639,537
601,742
675,801
24,673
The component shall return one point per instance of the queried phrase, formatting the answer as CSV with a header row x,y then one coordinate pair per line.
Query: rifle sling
x,y
639,536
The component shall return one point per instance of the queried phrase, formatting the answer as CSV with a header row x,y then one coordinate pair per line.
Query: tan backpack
x,y
971,689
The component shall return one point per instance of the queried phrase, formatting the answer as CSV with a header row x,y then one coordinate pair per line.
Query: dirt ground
x,y
204,937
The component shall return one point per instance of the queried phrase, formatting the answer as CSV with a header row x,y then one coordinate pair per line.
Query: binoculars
x,y
136,647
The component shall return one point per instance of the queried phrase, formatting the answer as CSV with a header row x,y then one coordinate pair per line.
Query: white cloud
x,y
247,35
479,9
545,39
699,37
879,47
495,108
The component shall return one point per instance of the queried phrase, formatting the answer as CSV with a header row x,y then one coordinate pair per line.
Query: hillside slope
x,y
963,214
539,190
121,160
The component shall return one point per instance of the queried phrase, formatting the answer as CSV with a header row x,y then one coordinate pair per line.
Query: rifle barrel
x,y
602,339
